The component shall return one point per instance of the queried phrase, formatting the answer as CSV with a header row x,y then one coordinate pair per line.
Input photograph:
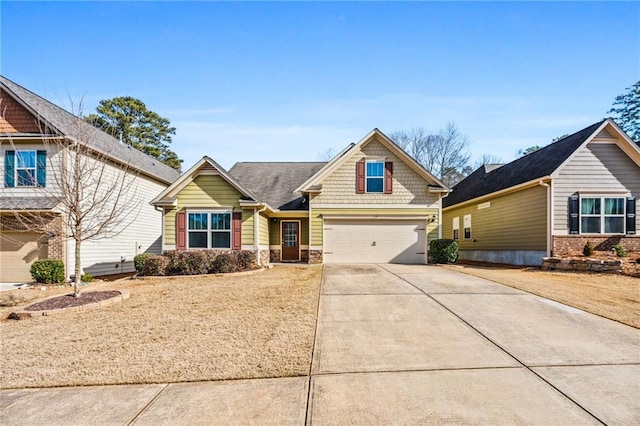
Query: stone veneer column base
x,y
315,256
265,257
565,244
274,256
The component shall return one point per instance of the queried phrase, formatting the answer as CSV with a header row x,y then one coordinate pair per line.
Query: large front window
x,y
375,176
602,215
209,230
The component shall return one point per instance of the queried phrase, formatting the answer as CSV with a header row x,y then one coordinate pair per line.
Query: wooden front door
x,y
290,241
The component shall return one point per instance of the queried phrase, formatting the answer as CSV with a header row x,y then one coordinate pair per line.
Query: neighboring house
x,y
27,125
584,187
371,203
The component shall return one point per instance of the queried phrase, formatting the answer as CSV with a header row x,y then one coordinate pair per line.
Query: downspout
x,y
256,232
549,216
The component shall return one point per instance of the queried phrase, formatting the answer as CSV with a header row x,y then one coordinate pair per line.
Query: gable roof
x,y
62,122
311,183
539,164
275,182
168,195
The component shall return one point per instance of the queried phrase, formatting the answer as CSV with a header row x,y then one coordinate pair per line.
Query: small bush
x,y
620,251
224,263
587,250
139,259
87,278
48,271
443,251
155,266
192,262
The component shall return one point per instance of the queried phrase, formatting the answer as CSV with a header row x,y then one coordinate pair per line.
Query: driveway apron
x,y
407,344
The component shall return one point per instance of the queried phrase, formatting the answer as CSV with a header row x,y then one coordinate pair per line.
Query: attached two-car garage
x,y
374,241
18,250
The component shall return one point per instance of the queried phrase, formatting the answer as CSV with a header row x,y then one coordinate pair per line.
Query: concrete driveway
x,y
399,344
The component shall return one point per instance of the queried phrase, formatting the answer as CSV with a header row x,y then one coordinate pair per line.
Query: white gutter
x,y
256,232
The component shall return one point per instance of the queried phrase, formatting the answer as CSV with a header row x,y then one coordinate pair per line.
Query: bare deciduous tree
x,y
444,154
94,189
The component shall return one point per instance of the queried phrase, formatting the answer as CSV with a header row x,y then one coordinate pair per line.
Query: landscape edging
x,y
23,314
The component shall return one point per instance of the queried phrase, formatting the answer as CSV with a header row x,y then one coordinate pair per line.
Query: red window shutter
x,y
181,231
237,231
360,177
388,177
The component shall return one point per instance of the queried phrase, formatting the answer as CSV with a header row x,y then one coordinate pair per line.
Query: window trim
x,y
465,227
602,215
209,230
456,227
34,168
367,177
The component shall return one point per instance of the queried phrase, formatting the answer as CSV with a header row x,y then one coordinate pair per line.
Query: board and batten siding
x,y
142,234
600,167
516,221
379,213
206,192
408,187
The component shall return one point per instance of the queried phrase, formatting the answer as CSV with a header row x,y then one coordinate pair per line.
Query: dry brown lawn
x,y
169,330
616,297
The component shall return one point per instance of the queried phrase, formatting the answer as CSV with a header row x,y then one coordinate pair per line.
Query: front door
x,y
290,241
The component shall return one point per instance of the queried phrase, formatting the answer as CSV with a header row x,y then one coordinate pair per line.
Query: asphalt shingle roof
x,y
70,125
536,165
28,203
274,183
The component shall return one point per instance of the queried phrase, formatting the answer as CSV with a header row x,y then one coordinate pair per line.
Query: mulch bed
x,y
68,300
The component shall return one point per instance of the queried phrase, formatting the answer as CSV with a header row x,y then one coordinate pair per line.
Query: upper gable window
x,y
25,168
375,176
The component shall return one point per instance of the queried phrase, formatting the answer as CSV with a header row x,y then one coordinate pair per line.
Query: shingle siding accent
x,y
14,118
408,187
598,168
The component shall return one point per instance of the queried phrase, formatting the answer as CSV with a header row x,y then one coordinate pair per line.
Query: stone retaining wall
x,y
593,265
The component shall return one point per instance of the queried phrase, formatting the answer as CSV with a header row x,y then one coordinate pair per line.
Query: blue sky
x,y
287,81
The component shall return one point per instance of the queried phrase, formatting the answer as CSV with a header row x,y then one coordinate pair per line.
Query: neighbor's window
x,y
467,226
25,168
375,176
602,215
456,228
209,230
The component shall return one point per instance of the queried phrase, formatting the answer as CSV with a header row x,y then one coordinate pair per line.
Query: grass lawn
x,y
169,330
616,297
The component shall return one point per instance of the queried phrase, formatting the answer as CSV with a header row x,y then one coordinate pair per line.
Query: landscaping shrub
x,y
587,250
155,266
224,263
620,251
87,278
48,271
245,260
139,259
443,251
192,262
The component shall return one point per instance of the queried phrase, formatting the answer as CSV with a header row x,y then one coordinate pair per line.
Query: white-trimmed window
x,y
456,228
374,176
209,230
467,226
25,168
602,215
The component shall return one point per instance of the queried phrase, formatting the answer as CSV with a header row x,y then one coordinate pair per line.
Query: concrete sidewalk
x,y
398,344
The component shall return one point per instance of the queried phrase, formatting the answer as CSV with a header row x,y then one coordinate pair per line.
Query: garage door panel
x,y
18,250
374,241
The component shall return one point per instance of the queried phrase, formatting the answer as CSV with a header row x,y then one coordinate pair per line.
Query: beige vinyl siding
x,y
247,227
408,187
264,230
597,168
516,221
206,191
379,213
141,234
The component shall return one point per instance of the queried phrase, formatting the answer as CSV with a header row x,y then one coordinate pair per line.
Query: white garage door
x,y
18,250
374,241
